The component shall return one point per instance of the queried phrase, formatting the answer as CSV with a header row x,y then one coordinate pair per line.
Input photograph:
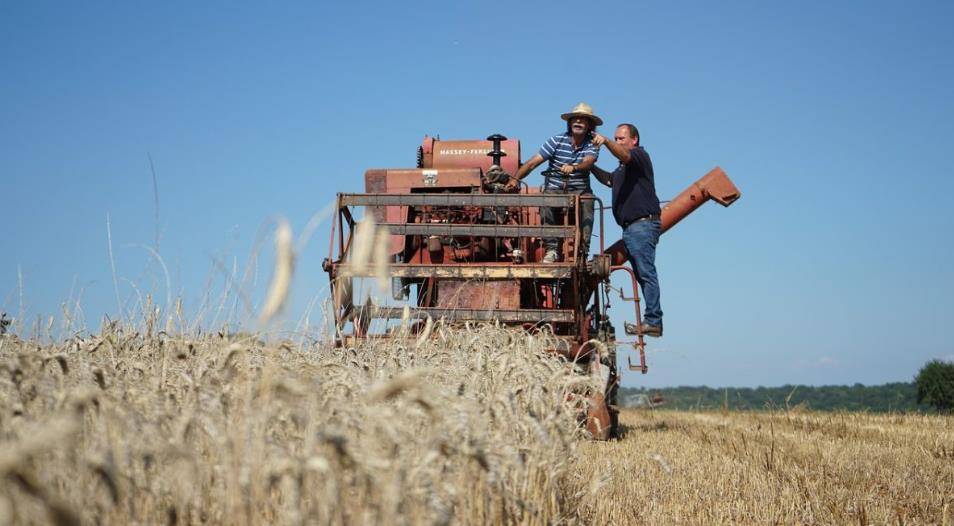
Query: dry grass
x,y
773,468
471,426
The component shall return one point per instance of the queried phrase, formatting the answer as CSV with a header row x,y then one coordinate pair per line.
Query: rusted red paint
x,y
468,154
714,185
490,295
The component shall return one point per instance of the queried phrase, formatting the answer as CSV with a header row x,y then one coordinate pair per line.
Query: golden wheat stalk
x,y
382,245
362,245
281,279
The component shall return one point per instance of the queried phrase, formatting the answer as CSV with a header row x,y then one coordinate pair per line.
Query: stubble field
x,y
469,426
785,467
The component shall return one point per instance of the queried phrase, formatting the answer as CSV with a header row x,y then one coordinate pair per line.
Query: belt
x,y
650,217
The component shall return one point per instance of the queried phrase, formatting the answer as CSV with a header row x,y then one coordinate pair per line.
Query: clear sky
x,y
832,118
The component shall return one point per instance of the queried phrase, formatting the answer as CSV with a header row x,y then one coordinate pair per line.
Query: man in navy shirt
x,y
636,210
570,157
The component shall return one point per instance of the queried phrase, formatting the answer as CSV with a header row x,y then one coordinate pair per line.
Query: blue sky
x,y
832,119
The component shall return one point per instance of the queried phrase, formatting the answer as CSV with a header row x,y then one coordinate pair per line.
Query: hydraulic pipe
x,y
714,185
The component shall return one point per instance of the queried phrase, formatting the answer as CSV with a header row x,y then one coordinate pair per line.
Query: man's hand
x,y
512,184
568,169
598,140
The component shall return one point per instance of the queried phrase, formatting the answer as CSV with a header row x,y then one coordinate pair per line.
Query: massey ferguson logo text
x,y
468,151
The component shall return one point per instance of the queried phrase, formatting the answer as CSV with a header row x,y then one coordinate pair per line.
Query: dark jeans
x,y
640,239
554,216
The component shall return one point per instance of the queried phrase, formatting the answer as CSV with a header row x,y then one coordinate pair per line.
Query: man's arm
x,y
602,175
527,167
584,165
588,162
617,150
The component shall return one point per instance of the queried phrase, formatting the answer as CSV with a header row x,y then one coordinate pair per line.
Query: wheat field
x,y
472,425
783,467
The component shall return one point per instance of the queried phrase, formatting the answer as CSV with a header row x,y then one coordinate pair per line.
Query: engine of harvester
x,y
467,246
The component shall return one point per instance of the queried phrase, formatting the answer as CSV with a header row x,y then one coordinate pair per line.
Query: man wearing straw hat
x,y
570,156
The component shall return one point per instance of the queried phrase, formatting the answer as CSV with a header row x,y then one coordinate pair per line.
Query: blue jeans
x,y
640,239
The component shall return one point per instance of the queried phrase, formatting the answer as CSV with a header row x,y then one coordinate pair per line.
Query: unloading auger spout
x,y
714,185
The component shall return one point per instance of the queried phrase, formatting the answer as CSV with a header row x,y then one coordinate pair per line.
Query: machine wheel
x,y
599,421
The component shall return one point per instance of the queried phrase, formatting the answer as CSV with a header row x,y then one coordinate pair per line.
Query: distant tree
x,y
897,396
935,383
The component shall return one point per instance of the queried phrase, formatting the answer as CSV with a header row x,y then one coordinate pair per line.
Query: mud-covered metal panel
x,y
471,294
468,271
375,182
456,229
503,315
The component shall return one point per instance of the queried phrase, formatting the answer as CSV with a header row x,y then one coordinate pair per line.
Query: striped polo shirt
x,y
559,150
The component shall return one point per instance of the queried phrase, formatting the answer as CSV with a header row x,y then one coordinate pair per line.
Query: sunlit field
x,y
787,467
464,426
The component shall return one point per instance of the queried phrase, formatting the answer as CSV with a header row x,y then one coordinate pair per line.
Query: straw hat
x,y
582,110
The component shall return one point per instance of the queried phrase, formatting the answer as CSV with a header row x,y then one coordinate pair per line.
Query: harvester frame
x,y
472,247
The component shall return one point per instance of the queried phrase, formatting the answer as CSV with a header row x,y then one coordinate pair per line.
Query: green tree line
x,y
897,396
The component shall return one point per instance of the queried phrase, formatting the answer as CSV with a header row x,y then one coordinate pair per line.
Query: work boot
x,y
551,256
646,329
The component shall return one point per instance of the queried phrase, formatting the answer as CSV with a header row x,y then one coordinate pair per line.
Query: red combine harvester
x,y
471,250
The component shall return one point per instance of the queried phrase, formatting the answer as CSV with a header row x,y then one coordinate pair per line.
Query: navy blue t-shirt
x,y
634,189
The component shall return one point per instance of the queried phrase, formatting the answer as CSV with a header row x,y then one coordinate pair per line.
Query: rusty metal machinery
x,y
465,247
435,153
